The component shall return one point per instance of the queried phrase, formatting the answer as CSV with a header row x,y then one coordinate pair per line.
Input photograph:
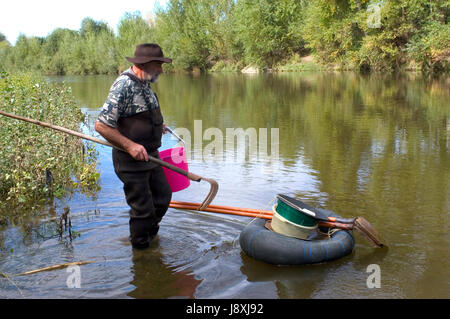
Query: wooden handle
x,y
342,220
189,175
335,225
214,186
58,128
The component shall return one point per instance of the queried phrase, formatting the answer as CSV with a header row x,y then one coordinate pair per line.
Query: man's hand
x,y
138,152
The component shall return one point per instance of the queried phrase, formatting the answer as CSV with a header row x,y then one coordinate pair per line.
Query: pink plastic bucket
x,y
177,157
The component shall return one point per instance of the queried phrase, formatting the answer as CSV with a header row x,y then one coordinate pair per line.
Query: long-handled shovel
x,y
214,186
359,223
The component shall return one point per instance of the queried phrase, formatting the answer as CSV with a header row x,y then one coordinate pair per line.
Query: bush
x,y
339,32
226,66
430,49
38,163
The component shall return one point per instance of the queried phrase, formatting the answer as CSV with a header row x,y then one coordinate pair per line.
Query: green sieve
x,y
295,216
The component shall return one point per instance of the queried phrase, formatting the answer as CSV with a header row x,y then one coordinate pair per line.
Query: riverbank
x,y
295,64
299,63
37,164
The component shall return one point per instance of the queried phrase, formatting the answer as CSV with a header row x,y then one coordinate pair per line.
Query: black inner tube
x,y
273,248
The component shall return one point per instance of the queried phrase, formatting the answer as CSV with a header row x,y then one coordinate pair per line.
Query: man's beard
x,y
150,77
154,78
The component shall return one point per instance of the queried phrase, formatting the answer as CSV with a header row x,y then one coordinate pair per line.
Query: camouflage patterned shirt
x,y
126,98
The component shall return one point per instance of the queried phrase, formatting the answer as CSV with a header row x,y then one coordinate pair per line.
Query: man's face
x,y
152,70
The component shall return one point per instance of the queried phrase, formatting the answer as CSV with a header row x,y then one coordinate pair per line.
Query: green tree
x,y
430,46
198,34
57,51
225,44
28,53
97,47
269,30
339,32
5,49
132,30
183,31
90,27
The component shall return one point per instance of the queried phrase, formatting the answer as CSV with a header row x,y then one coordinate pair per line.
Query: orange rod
x,y
224,211
248,210
264,214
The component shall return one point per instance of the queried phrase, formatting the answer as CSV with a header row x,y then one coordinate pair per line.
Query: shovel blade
x,y
367,230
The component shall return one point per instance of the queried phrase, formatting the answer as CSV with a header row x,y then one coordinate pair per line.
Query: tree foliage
x,y
197,33
274,31
132,30
94,49
343,33
377,35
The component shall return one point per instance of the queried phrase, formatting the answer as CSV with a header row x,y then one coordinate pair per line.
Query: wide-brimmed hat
x,y
147,52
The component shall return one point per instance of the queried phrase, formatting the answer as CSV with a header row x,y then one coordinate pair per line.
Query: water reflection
x,y
290,282
373,146
153,278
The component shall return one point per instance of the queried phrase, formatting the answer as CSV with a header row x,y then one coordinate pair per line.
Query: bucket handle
x,y
175,134
214,186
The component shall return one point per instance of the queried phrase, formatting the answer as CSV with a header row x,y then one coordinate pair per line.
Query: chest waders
x,y
146,189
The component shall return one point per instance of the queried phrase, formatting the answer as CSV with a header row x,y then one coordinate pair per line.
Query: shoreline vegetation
x,y
38,165
251,36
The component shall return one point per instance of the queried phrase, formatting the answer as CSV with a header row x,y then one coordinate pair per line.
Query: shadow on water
x,y
307,281
153,278
290,281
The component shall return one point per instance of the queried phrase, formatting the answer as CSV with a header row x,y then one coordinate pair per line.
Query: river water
x,y
373,146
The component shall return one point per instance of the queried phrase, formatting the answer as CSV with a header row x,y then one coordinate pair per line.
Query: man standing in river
x,y
131,120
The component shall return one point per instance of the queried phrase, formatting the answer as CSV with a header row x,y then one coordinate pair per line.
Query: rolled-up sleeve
x,y
114,104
